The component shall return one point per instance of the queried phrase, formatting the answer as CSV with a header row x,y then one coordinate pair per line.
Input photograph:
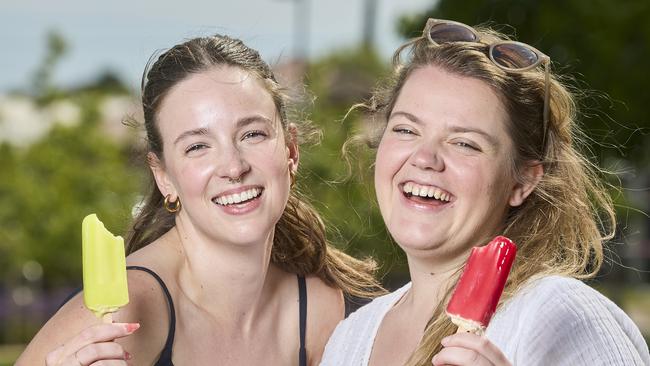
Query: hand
x,y
469,349
94,346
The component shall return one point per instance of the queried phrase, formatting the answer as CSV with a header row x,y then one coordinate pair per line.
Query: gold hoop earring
x,y
172,206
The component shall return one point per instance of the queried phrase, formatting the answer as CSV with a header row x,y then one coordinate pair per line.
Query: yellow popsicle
x,y
104,268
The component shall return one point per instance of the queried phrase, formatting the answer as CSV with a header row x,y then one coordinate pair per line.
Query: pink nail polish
x,y
127,356
132,327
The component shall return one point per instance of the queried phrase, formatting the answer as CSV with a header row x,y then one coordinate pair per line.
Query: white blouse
x,y
552,321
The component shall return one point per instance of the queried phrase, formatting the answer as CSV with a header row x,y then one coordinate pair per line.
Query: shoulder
x,y
563,321
149,306
325,302
566,300
325,309
149,275
354,336
322,297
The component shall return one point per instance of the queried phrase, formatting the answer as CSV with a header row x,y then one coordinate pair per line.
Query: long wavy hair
x,y
300,244
561,227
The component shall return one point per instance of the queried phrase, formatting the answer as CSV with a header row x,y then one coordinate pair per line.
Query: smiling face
x,y
443,165
225,155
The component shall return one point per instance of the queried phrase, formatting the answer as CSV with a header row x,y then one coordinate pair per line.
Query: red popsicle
x,y
480,286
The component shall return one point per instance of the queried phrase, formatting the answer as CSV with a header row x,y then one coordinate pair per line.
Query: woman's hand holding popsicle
x,y
105,291
469,349
94,344
473,303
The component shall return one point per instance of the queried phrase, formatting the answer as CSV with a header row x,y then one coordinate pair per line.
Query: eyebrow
x,y
240,123
456,129
406,115
490,139
195,132
252,119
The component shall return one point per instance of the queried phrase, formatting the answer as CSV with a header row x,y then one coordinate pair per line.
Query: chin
x,y
415,244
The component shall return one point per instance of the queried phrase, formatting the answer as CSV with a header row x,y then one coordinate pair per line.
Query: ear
x,y
292,148
165,185
532,174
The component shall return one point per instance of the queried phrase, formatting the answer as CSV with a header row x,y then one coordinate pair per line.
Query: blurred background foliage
x,y
84,160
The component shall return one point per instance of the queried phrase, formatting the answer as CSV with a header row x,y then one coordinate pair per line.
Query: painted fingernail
x,y
132,327
127,356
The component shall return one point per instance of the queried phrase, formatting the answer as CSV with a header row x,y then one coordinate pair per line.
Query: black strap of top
x,y
353,303
165,358
302,298
166,354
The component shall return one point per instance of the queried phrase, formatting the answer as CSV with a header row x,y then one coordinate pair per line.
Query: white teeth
x,y
238,197
426,191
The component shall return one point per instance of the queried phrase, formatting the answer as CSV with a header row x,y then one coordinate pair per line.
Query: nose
x,y
232,164
427,157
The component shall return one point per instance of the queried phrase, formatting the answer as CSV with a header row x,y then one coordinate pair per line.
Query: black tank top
x,y
165,358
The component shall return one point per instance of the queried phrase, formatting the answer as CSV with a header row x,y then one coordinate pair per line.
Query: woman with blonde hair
x,y
476,138
225,252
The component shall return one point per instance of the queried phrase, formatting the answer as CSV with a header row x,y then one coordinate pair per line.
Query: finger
x,y
101,351
99,333
110,363
479,344
54,358
70,360
459,356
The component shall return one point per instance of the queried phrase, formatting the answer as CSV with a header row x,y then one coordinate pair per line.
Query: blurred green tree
x,y
43,86
47,189
347,201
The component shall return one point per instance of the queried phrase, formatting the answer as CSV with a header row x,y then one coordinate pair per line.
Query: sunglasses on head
x,y
510,56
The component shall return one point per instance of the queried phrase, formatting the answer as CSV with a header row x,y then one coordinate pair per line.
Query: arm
x,y
558,321
561,321
75,334
576,325
573,324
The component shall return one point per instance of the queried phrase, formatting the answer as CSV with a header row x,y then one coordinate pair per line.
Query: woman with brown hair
x,y
224,253
476,138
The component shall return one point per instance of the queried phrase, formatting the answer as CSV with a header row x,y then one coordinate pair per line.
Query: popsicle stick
x,y
107,318
477,331
467,326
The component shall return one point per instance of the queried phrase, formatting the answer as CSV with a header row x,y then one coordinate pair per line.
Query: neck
x,y
233,283
430,281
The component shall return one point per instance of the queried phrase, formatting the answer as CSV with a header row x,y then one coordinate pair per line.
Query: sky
x,y
121,35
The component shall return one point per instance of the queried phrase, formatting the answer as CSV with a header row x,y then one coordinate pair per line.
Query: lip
x,y
240,208
433,205
237,190
400,186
